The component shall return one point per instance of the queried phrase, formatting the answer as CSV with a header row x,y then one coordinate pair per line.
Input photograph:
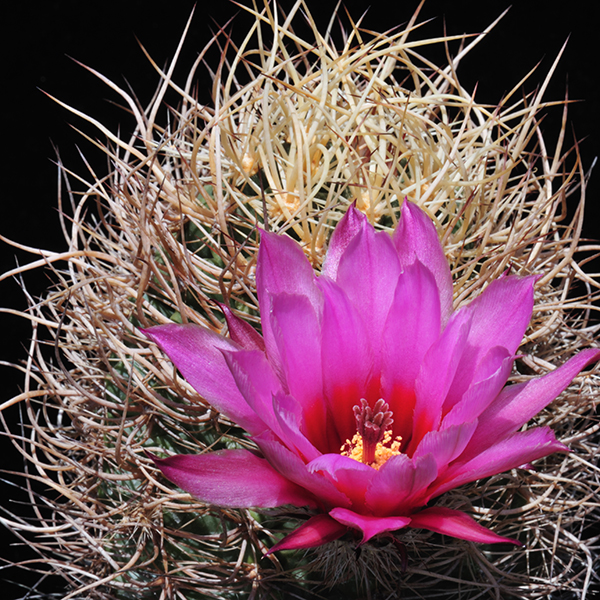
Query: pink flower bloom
x,y
367,395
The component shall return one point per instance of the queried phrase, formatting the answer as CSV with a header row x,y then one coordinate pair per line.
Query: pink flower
x,y
367,395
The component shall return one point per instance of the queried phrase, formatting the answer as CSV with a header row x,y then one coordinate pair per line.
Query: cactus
x,y
299,129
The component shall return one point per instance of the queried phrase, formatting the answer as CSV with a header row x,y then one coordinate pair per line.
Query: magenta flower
x,y
367,395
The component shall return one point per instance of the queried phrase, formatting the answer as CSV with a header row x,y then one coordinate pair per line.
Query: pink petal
x,y
416,238
292,466
233,478
297,333
400,483
447,445
457,524
368,273
370,526
502,313
282,268
257,383
197,353
412,326
436,376
316,531
512,452
241,332
289,418
346,356
479,395
348,475
500,317
350,224
518,403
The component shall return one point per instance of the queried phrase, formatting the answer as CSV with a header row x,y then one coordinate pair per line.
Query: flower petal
x,y
400,483
368,273
416,238
241,332
436,376
502,313
197,353
316,531
233,478
370,526
479,395
457,524
514,451
292,466
446,445
350,224
346,356
281,268
297,333
257,383
518,403
348,475
290,423
500,317
412,327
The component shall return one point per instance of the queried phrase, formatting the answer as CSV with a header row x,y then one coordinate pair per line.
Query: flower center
x,y
372,443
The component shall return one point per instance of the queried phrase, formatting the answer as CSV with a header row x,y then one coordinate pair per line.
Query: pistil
x,y
371,425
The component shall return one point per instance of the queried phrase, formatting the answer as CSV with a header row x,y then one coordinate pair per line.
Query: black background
x,y
39,38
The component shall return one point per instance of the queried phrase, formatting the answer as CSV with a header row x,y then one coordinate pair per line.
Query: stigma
x,y
372,443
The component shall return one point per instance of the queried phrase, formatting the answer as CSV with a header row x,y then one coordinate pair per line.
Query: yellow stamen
x,y
384,450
